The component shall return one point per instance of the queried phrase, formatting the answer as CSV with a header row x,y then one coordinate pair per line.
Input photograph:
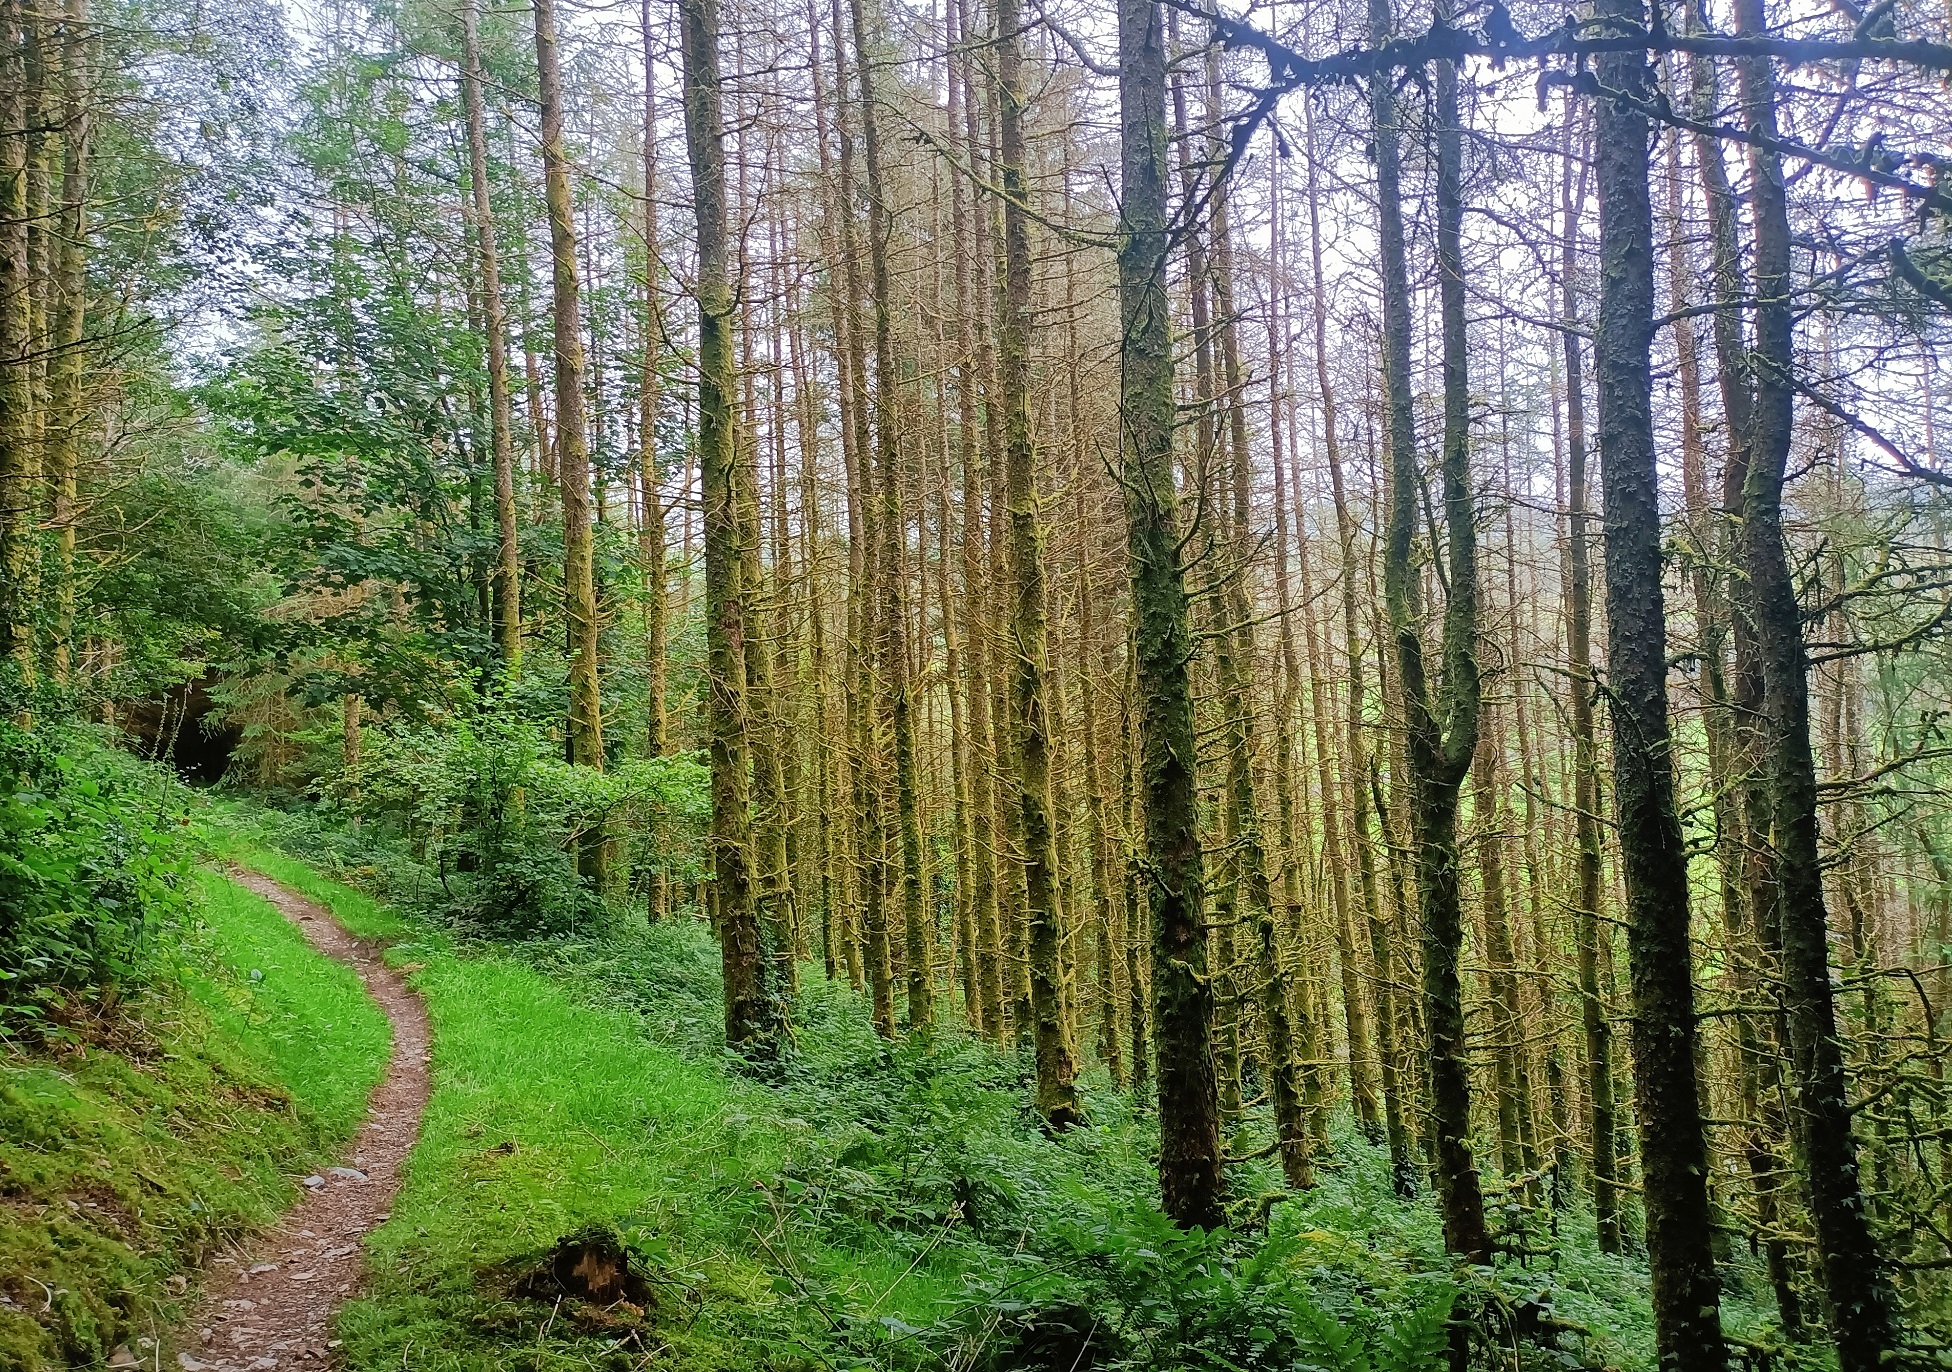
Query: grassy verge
x,y
550,1115
866,1206
132,1145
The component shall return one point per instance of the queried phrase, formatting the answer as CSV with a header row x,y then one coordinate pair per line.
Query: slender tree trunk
x,y
18,460
572,438
1356,760
869,828
67,330
1598,1031
507,582
754,1021
1859,1299
1653,854
651,533
1441,735
893,637
1189,1115
971,375
1513,1081
1057,1098
1711,610
1251,897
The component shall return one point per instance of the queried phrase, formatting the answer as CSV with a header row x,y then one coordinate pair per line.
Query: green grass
x,y
868,1207
306,1016
549,1115
136,1144
867,1204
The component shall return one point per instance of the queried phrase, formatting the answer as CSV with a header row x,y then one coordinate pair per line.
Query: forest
x,y
977,685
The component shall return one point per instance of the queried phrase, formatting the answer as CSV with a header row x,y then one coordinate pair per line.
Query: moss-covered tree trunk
x,y
754,1021
869,957
1513,1076
1596,1029
651,533
1757,1136
972,376
572,435
66,330
1234,668
1858,1298
1057,1097
1441,727
892,635
19,461
1653,854
507,583
1356,759
1172,865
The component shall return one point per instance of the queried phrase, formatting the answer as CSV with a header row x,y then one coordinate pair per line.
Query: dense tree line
x,y
1325,560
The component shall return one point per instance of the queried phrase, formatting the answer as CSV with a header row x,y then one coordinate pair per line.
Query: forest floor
x,y
863,1204
273,1304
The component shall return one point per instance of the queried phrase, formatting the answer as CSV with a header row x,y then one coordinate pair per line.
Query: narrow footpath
x,y
270,1305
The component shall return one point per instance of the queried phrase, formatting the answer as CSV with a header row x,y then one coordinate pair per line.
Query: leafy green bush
x,y
485,803
93,862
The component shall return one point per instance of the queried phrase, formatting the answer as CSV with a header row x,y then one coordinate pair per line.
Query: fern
x,y
1417,1341
1325,1343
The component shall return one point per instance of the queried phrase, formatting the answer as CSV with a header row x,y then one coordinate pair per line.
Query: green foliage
x,y
92,866
375,504
182,584
492,814
871,1205
1138,1292
140,1142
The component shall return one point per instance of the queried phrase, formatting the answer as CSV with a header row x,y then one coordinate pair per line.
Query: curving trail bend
x,y
270,1305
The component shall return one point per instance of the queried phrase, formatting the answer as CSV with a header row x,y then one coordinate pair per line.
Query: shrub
x,y
484,800
93,861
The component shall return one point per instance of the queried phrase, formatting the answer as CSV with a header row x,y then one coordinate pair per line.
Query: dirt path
x,y
270,1305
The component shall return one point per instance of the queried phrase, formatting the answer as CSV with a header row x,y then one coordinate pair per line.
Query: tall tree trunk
x,y
1057,1096
67,330
972,374
754,1021
1653,854
1441,733
18,460
1587,930
893,636
651,532
1755,1134
1235,668
507,582
1513,1078
1189,1115
572,437
869,829
1356,759
1859,1300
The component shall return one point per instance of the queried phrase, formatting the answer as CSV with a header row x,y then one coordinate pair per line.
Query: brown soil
x,y
270,1303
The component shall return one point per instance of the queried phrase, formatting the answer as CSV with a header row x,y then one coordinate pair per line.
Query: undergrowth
x,y
875,1205
136,1140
